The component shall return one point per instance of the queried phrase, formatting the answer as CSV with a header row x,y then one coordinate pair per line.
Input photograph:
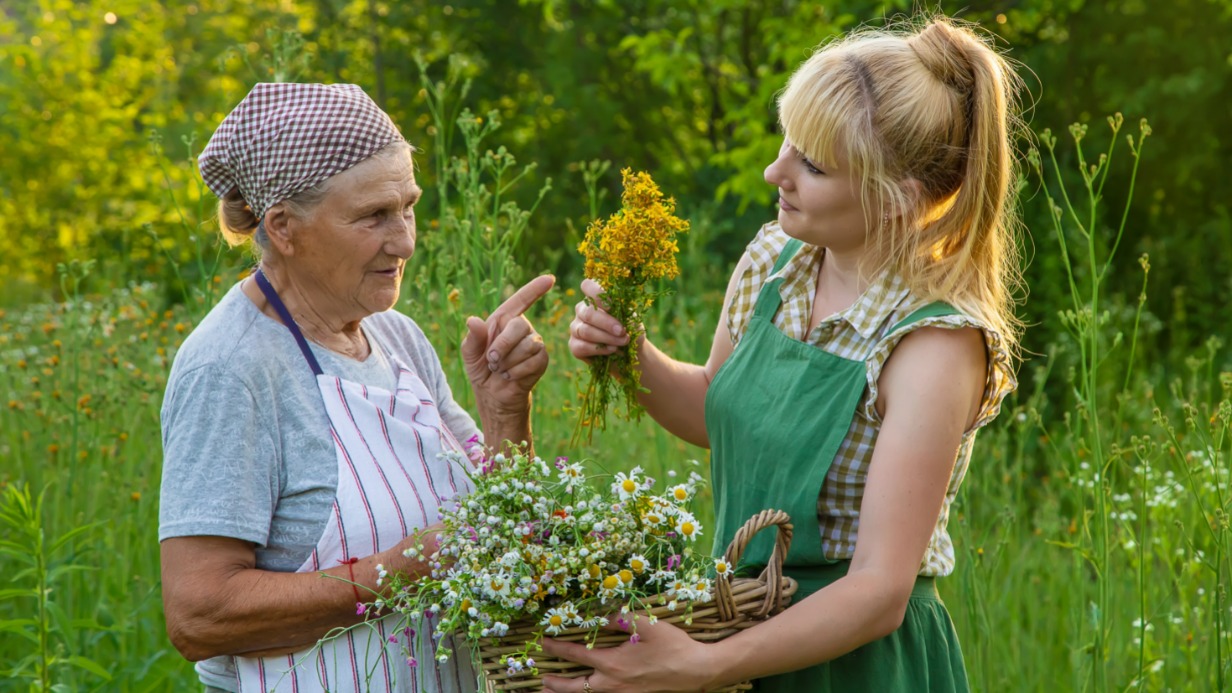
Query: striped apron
x,y
391,481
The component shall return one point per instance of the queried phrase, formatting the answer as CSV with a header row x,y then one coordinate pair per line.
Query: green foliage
x,y
42,564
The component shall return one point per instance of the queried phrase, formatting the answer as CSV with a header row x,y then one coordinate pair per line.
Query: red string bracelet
x,y
350,564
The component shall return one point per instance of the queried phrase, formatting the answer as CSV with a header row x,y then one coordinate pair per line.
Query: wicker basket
x,y
738,604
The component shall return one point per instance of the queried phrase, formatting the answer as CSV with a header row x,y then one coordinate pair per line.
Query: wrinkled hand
x,y
665,659
395,560
504,356
593,331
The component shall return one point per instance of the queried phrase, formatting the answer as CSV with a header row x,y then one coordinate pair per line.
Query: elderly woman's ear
x,y
277,227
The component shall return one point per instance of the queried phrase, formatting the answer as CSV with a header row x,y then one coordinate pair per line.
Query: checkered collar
x,y
870,311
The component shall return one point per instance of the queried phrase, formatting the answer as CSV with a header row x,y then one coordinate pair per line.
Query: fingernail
x,y
492,367
620,329
505,375
493,356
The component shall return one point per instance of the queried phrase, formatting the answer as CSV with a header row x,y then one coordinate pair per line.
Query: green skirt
x,y
922,656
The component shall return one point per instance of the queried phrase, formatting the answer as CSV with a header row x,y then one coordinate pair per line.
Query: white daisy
x,y
688,526
627,486
680,492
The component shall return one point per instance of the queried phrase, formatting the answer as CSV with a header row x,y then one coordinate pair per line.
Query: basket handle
x,y
772,576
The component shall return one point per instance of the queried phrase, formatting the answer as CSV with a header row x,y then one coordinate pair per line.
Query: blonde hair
x,y
925,113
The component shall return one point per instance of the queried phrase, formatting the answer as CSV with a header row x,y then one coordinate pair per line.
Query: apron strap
x,y
788,252
272,296
936,309
769,299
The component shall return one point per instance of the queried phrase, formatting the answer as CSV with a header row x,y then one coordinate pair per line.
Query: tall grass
x,y
1093,532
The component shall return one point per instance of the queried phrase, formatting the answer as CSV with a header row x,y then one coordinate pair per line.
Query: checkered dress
x,y
862,332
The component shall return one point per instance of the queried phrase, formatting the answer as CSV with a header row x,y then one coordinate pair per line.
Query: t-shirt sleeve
x,y
220,463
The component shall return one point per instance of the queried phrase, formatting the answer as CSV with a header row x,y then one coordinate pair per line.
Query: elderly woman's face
x,y
351,250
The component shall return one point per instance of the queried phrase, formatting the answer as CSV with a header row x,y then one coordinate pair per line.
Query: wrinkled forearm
x,y
502,425
247,611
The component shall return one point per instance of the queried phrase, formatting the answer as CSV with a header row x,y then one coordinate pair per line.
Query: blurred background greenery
x,y
109,254
682,88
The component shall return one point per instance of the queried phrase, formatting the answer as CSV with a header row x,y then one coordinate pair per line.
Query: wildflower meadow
x,y
1094,529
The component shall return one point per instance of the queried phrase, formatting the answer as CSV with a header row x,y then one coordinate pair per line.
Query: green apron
x,y
777,413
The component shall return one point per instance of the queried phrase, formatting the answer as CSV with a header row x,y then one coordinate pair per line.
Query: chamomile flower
x,y
657,514
628,486
680,493
570,474
722,569
556,620
688,526
637,563
496,585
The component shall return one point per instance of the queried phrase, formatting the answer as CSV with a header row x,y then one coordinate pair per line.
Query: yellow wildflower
x,y
626,254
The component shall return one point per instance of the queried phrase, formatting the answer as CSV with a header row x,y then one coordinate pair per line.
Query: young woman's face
x,y
818,201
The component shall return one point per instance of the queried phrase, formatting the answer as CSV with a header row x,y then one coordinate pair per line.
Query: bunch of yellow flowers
x,y
627,254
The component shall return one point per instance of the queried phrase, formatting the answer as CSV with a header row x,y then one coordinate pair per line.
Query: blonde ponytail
x,y
925,114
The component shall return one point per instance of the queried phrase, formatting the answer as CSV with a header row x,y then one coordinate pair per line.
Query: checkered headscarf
x,y
284,138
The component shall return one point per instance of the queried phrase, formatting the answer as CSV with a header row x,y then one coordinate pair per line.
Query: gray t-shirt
x,y
247,452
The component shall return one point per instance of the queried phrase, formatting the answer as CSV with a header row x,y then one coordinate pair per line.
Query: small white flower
x,y
571,474
637,563
628,486
680,492
688,526
556,620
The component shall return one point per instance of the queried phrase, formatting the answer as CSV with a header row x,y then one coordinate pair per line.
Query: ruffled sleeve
x,y
999,381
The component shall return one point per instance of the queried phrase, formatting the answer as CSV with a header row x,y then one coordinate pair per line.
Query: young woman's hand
x,y
593,331
664,659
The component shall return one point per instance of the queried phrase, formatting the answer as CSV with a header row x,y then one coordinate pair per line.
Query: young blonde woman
x,y
866,336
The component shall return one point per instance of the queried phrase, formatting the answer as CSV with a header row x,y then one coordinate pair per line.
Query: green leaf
x,y
23,627
55,573
16,551
18,593
71,535
88,665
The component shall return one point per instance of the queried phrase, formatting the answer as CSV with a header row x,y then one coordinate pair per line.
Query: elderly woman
x,y
304,419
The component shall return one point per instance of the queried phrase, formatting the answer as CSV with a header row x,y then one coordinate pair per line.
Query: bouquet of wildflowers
x,y
545,544
627,254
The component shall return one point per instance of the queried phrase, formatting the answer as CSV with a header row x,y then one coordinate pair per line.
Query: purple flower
x,y
408,632
673,561
412,662
635,638
561,461
624,625
360,609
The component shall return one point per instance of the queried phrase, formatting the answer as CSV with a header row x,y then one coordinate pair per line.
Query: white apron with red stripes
x,y
391,481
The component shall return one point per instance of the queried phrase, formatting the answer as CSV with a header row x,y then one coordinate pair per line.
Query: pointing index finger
x,y
523,298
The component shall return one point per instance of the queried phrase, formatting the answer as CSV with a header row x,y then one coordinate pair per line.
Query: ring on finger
x,y
586,686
